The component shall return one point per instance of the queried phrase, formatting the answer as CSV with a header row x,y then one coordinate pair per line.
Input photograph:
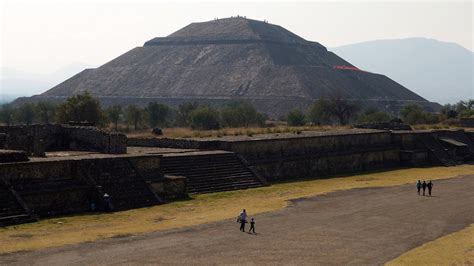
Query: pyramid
x,y
234,59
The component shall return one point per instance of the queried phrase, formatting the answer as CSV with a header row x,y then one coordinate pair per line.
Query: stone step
x,y
210,160
197,157
223,187
15,219
11,212
210,172
211,189
201,165
206,172
199,180
196,164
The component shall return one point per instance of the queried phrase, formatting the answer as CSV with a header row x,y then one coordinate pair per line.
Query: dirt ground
x,y
359,226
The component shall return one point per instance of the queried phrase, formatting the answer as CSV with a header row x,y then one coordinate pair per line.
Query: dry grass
x,y
190,133
453,249
435,126
181,132
201,209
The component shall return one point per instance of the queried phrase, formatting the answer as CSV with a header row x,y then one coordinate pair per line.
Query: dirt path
x,y
360,226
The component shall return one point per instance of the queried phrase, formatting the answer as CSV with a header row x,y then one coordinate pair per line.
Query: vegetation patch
x,y
453,249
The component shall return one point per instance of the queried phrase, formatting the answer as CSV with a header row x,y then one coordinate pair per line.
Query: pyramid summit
x,y
237,29
234,59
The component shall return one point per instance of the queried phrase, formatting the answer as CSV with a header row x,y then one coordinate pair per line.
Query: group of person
x,y
242,219
424,186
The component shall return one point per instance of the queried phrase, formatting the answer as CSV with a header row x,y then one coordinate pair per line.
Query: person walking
x,y
430,187
418,186
423,185
243,220
252,225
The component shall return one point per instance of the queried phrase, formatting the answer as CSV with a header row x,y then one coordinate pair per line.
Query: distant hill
x,y
438,71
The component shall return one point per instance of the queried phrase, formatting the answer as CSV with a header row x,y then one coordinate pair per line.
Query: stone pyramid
x,y
234,59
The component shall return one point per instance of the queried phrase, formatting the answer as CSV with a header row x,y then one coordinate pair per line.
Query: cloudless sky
x,y
43,36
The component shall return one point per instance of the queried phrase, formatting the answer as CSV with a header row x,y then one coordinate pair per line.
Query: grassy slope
x,y
200,209
453,249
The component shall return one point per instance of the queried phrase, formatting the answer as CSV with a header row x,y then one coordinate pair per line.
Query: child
x,y
252,226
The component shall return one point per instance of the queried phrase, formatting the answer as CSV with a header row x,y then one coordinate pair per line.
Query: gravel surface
x,y
360,226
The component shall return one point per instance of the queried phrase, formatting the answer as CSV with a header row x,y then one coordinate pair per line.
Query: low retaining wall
x,y
305,157
37,139
53,187
292,156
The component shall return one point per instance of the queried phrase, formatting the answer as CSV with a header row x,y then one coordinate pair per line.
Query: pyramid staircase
x,y
208,172
12,211
437,150
120,179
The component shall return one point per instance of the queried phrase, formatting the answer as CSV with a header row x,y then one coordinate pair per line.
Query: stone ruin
x,y
54,186
36,140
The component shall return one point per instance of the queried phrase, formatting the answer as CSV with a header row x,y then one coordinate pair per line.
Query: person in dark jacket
x,y
242,224
418,186
423,185
430,187
252,226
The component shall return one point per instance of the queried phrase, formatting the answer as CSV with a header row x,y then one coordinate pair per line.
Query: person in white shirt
x,y
243,220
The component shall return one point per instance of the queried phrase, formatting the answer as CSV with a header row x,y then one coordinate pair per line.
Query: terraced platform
x,y
210,171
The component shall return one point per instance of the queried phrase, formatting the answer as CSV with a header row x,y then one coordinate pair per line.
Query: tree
x,y
465,109
342,109
134,115
183,115
414,114
113,114
25,113
6,114
296,118
157,114
241,114
449,111
320,112
80,108
205,117
336,107
45,112
372,115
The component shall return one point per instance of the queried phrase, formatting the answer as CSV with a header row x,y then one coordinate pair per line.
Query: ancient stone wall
x,y
57,186
37,139
175,143
287,158
170,187
91,138
50,187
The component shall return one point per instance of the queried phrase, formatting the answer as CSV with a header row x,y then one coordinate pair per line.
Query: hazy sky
x,y
43,36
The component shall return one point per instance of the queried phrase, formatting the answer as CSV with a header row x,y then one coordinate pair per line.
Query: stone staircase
x,y
11,211
437,150
208,172
54,196
120,180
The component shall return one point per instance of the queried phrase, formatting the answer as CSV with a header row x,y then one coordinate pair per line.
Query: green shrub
x,y
204,117
296,118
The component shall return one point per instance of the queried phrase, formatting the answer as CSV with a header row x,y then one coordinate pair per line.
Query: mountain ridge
x,y
440,71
